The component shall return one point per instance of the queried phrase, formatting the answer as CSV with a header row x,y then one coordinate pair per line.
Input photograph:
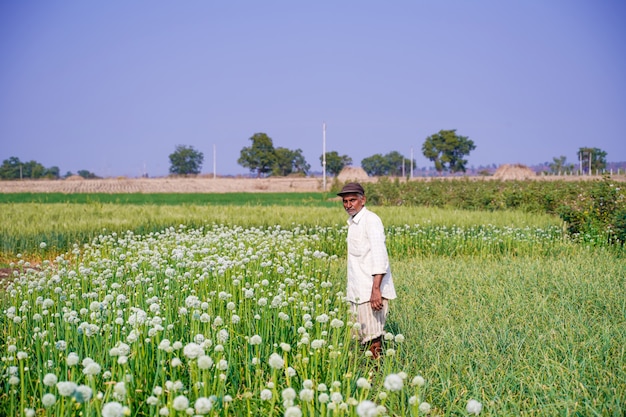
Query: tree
x,y
560,165
87,174
375,165
335,163
289,162
592,159
33,169
300,166
389,164
186,160
260,157
11,169
52,173
447,149
395,161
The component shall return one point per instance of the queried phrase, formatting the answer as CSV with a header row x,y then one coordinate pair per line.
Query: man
x,y
370,284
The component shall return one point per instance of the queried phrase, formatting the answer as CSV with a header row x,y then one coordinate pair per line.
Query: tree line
x,y
14,169
446,149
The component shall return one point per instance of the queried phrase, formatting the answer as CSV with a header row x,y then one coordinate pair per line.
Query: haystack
x,y
350,173
514,172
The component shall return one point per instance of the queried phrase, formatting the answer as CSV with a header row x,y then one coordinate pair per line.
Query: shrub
x,y
597,213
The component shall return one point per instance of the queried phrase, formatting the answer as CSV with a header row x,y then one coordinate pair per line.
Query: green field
x,y
501,307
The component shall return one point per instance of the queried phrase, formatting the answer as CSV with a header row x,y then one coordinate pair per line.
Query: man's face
x,y
353,203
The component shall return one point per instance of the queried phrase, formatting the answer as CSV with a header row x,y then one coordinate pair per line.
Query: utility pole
x,y
324,156
214,164
580,161
411,174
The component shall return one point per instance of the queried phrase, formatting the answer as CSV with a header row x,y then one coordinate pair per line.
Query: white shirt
x,y
367,256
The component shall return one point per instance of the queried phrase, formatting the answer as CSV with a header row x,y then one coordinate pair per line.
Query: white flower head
x,y
363,383
92,368
82,394
424,408
50,380
113,409
266,394
193,350
367,408
293,412
72,359
48,400
288,394
276,361
474,407
318,343
205,362
393,382
66,388
180,403
418,381
203,405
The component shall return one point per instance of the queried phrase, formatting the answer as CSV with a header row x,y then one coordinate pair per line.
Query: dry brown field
x,y
204,184
163,185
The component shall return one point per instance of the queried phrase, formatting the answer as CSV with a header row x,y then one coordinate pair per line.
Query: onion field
x,y
207,310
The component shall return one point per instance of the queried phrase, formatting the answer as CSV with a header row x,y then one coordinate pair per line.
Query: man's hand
x,y
376,299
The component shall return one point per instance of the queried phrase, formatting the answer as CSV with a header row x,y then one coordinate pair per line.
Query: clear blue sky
x,y
113,86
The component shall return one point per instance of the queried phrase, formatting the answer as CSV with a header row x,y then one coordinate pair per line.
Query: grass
x,y
175,199
531,336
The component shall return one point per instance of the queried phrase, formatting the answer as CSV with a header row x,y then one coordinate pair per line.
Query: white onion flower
x,y
120,390
222,335
418,381
203,405
82,394
393,382
193,350
255,340
48,400
266,395
66,388
293,412
92,369
180,403
306,395
288,394
366,408
205,362
474,407
113,409
317,343
50,380
276,361
363,383
336,323
424,408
